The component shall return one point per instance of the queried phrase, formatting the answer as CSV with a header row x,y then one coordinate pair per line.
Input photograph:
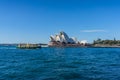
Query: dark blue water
x,y
60,64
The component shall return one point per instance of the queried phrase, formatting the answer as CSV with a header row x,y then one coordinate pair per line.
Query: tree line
x,y
107,42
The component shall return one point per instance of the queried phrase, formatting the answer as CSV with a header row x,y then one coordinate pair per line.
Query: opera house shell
x,y
62,39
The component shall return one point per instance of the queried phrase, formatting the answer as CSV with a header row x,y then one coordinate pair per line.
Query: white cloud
x,y
90,31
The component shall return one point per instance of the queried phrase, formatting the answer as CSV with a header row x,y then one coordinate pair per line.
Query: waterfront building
x,y
63,39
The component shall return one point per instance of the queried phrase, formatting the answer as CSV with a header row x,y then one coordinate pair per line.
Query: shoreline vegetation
x,y
106,43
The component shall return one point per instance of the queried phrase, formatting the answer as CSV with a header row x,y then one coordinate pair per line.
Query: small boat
x,y
28,46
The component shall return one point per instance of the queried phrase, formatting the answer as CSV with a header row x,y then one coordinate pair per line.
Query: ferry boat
x,y
28,46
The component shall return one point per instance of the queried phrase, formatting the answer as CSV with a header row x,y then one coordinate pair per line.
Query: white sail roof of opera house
x,y
63,37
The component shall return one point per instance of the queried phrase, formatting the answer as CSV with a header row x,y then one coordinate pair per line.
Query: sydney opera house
x,y
63,40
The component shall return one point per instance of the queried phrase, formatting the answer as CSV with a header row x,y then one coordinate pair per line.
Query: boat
x,y
28,46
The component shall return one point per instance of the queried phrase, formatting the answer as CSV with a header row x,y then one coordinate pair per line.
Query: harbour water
x,y
59,64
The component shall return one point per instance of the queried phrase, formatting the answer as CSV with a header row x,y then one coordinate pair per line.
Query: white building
x,y
62,37
83,42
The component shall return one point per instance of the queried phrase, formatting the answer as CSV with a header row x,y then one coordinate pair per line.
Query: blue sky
x,y
34,21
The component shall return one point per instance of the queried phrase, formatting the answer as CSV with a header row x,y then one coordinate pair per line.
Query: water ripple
x,y
60,64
